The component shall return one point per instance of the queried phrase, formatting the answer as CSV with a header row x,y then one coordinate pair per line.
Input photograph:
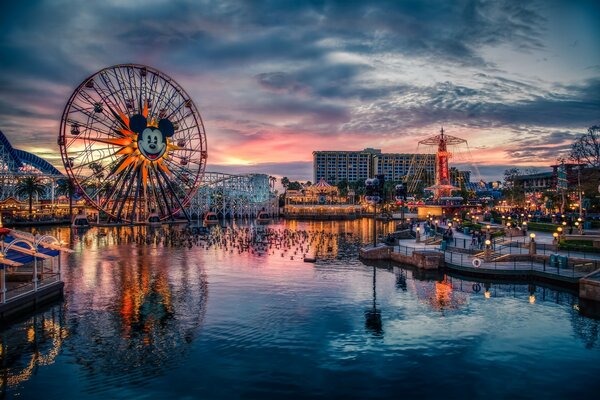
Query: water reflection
x,y
30,344
134,309
373,315
138,321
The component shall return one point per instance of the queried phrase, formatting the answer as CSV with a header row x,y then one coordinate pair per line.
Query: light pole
x,y
487,255
532,245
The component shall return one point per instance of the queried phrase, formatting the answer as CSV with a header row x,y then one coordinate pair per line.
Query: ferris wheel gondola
x,y
133,142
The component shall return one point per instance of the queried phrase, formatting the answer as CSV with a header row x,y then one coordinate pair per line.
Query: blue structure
x,y
15,164
17,161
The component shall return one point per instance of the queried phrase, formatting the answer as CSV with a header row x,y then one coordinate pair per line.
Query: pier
x,y
505,258
30,271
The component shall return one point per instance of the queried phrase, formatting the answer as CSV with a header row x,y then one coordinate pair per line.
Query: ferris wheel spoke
x,y
121,91
168,182
162,191
90,115
155,192
137,191
93,103
121,198
104,96
113,190
168,97
112,90
182,174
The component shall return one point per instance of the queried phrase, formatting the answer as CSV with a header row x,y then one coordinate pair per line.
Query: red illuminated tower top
x,y
442,186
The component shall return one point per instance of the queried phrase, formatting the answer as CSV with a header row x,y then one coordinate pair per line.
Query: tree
x,y
285,182
294,186
358,187
343,187
586,148
30,186
512,187
66,187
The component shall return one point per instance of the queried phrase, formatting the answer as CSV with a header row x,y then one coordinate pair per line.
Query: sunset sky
x,y
276,80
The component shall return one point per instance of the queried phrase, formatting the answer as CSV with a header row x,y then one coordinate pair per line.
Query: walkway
x,y
459,254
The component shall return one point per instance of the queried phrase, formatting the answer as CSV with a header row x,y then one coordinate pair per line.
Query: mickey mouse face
x,y
152,142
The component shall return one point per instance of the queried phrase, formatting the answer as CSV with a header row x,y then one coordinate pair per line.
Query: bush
x,y
541,227
578,242
575,245
472,225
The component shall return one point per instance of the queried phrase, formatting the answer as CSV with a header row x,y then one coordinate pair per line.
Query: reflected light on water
x,y
138,321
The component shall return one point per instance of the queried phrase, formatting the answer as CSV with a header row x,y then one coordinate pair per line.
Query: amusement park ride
x,y
443,202
133,143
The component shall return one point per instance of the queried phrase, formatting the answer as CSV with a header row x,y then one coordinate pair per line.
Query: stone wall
x,y
589,289
377,253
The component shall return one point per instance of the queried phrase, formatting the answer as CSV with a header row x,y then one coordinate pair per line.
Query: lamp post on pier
x,y
532,245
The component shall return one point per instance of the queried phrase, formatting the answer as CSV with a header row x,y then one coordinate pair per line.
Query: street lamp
x,y
487,254
418,235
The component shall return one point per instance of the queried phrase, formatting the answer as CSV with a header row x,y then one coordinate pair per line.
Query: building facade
x,y
395,166
337,166
353,166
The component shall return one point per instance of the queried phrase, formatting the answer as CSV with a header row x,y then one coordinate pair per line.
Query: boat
x,y
80,221
210,218
263,217
153,218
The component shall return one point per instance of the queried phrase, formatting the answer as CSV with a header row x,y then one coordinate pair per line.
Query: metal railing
x,y
17,291
569,269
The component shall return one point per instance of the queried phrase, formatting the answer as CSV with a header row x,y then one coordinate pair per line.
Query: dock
x,y
511,258
30,271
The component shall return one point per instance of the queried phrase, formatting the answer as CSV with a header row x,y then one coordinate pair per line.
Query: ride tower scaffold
x,y
445,147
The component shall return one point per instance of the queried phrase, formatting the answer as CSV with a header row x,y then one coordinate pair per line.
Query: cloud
x,y
272,78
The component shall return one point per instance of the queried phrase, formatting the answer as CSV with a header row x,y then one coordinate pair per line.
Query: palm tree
x,y
66,187
30,186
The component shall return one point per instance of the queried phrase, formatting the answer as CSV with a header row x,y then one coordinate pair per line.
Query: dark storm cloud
x,y
310,66
481,108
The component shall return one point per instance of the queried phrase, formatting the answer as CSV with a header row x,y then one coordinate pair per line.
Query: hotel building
x,y
352,166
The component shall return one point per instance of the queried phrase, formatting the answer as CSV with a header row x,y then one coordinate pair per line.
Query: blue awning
x,y
17,256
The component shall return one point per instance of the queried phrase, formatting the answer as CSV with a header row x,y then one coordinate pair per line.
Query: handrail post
x,y
3,271
35,279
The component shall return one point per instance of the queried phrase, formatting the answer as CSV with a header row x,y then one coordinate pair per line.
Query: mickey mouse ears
x,y
138,123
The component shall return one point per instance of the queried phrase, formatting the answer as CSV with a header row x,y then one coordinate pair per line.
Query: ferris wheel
x,y
133,143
